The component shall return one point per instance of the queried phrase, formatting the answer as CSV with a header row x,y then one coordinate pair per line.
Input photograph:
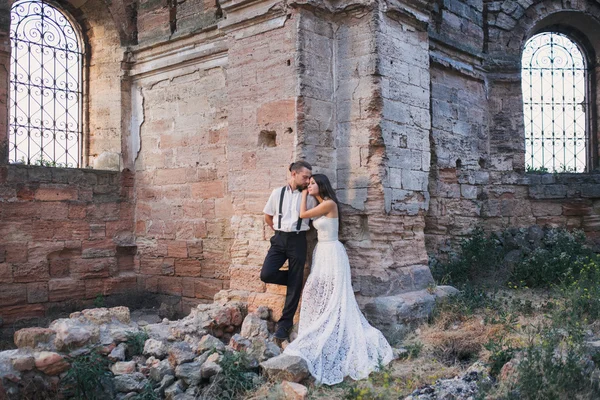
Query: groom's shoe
x,y
282,333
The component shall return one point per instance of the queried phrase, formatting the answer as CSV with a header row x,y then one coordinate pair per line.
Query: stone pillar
x,y
262,131
4,78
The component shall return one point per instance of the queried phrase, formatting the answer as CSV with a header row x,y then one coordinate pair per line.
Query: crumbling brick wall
x,y
66,237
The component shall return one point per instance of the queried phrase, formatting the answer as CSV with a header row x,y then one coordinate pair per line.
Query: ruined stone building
x,y
188,112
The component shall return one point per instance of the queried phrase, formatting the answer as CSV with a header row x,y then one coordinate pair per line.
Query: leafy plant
x,y
478,255
85,379
99,301
501,351
136,341
536,170
237,377
147,393
562,255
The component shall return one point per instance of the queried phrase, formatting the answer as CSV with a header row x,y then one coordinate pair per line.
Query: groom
x,y
289,242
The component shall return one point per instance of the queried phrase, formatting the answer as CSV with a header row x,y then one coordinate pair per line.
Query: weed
x,y
236,378
135,342
501,351
99,301
562,255
536,170
86,377
147,393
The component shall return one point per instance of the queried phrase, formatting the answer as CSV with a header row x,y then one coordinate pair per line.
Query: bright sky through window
x,y
45,86
554,79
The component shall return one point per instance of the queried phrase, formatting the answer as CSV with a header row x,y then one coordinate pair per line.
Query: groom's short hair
x,y
298,165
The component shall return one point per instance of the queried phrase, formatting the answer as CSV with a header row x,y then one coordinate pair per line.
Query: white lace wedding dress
x,y
334,337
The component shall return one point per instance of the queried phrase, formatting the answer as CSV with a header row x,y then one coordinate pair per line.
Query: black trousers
x,y
286,246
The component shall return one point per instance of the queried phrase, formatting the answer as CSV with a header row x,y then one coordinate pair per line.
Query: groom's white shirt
x,y
291,209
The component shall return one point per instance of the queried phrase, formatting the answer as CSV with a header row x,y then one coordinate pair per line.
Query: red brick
x,y
15,313
65,289
188,288
276,111
200,230
177,249
88,268
171,176
59,268
37,292
207,288
157,266
56,194
53,210
195,249
93,288
16,253
77,211
25,193
120,284
5,273
31,271
11,294
207,190
188,267
148,283
170,285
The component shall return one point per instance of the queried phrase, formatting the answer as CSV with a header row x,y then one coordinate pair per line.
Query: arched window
x,y
45,86
554,79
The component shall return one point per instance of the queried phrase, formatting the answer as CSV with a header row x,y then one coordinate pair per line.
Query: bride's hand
x,y
305,192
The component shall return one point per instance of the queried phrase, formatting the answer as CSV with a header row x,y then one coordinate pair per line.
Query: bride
x,y
334,337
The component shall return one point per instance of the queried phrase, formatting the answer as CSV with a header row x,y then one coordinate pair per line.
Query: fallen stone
x,y
174,390
294,391
31,337
254,326
50,363
211,367
166,381
239,343
263,312
190,373
155,348
160,370
134,382
262,349
118,353
71,334
209,342
285,368
180,353
123,367
24,363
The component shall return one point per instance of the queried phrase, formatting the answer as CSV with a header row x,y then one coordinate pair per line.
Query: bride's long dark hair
x,y
327,192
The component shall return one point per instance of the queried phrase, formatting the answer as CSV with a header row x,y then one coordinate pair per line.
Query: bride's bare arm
x,y
322,209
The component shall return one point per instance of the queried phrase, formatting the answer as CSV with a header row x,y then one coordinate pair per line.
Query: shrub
x,y
477,257
554,368
135,342
86,378
560,258
236,378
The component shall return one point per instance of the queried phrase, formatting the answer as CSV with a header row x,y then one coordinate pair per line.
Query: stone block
x,y
37,292
188,267
65,289
56,194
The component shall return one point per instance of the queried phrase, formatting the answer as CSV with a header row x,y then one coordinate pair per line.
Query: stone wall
x,y
66,238
478,173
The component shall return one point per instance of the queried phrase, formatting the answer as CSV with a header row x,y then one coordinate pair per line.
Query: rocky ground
x,y
222,351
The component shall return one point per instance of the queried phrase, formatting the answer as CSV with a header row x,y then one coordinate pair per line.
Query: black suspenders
x,y
299,223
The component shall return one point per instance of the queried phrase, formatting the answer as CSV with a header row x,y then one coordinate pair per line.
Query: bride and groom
x,y
334,338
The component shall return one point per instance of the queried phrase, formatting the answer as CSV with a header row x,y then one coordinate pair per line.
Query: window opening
x,y
555,102
45,122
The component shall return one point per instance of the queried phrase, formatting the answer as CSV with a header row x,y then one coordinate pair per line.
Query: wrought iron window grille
x,y
46,95
555,102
